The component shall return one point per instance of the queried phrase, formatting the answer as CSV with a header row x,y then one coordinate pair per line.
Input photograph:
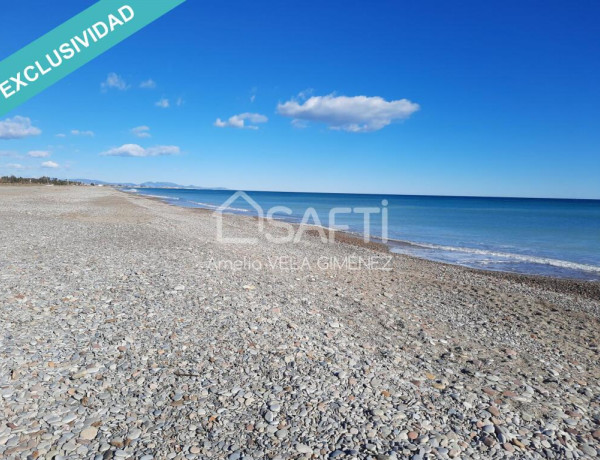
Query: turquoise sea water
x,y
536,236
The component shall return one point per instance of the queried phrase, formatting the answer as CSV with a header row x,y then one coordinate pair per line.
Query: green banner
x,y
71,45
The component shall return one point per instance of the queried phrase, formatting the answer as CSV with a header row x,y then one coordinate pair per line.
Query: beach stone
x,y
134,434
303,449
588,450
488,391
489,441
494,411
89,433
274,407
508,447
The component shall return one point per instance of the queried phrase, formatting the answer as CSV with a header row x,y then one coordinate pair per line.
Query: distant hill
x,y
146,184
166,185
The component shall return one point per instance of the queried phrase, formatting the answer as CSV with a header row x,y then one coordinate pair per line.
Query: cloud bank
x,y
239,121
18,128
135,150
353,114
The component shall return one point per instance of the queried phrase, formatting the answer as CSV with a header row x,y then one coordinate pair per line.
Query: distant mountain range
x,y
145,184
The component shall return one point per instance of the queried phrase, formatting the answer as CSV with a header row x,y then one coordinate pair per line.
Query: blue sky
x,y
460,98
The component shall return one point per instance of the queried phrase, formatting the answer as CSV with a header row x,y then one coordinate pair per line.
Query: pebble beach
x,y
128,331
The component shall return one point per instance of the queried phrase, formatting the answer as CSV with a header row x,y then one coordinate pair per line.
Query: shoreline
x,y
586,288
122,337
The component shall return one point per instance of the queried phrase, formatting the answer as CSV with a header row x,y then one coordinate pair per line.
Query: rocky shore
x,y
128,331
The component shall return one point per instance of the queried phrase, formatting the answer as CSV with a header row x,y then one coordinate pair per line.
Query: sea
x,y
552,237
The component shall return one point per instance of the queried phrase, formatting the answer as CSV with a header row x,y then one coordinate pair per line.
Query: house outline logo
x,y
226,205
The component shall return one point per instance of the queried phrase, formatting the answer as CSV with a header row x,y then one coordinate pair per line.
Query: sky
x,y
395,97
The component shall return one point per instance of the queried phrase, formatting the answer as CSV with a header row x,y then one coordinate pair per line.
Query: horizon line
x,y
225,189
217,188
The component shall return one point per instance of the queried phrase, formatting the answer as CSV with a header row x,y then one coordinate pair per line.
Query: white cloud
x,y
50,165
8,153
239,121
17,128
38,154
148,84
354,114
61,135
14,166
163,103
135,150
141,131
180,101
114,81
76,132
